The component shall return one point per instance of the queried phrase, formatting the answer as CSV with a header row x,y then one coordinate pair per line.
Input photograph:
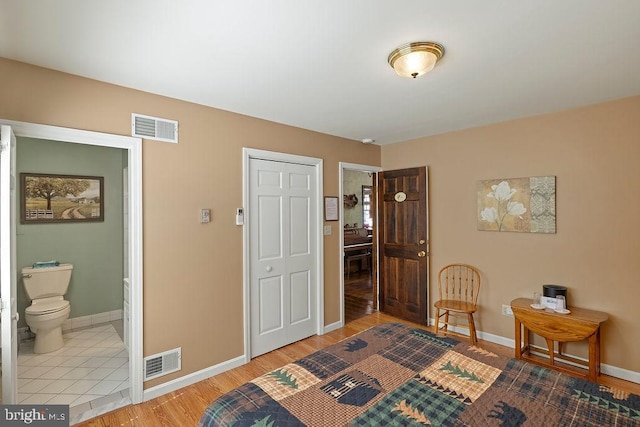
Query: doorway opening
x,y
91,369
358,226
132,157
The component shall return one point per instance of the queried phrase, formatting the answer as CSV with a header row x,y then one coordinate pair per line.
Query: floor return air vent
x,y
154,128
162,363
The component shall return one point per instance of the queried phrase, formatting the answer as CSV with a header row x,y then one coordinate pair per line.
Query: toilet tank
x,y
46,281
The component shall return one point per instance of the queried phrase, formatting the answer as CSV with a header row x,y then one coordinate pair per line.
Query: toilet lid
x,y
47,307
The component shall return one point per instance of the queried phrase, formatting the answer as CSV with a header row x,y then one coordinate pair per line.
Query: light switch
x,y
205,216
327,230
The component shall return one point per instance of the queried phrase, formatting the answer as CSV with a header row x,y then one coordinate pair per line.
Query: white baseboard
x,y
497,339
610,370
624,374
92,319
24,333
178,383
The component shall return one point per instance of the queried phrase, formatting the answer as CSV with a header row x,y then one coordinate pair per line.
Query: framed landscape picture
x,y
61,198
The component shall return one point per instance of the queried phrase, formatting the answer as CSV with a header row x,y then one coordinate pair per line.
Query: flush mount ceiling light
x,y
415,59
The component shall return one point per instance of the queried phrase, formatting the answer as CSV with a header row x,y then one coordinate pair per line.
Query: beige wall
x,y
595,154
193,277
192,272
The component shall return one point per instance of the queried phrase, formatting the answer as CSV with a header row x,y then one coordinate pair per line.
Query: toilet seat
x,y
46,306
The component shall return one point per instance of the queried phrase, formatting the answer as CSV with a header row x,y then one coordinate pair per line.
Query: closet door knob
x,y
268,269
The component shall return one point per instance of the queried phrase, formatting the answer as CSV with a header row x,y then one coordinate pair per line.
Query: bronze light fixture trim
x,y
416,58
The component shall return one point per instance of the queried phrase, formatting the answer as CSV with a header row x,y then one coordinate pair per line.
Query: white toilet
x,y
45,288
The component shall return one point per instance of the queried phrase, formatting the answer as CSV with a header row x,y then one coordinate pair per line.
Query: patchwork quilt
x,y
398,375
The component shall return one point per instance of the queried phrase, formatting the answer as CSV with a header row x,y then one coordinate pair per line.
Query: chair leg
x,y
436,322
472,330
446,321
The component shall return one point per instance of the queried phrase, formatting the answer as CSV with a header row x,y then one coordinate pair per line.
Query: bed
x,y
397,375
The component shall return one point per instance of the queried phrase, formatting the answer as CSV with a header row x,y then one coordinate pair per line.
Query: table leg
x,y
551,350
518,343
594,355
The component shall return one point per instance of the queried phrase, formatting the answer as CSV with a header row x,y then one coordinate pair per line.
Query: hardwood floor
x,y
185,406
358,296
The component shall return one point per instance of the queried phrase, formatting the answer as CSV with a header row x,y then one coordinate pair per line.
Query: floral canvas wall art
x,y
525,205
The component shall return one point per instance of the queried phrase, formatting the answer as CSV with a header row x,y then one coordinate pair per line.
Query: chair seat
x,y
456,305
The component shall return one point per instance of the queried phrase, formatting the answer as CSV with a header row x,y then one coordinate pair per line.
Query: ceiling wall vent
x,y
162,363
154,128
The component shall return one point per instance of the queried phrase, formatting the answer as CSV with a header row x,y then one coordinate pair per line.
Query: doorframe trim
x,y
342,166
253,153
134,155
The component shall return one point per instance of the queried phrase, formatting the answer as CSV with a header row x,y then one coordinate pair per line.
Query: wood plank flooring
x,y
185,406
358,296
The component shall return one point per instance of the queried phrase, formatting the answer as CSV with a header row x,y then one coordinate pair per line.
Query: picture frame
x,y
526,205
331,212
53,198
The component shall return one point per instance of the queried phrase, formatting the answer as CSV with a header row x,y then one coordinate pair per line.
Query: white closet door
x,y
283,271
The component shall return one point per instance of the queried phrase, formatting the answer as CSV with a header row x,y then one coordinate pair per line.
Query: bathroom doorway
x,y
91,369
130,151
358,254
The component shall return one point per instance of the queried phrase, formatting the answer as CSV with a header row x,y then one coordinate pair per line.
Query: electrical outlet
x,y
506,310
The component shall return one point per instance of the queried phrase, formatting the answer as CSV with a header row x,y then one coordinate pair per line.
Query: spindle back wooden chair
x,y
458,287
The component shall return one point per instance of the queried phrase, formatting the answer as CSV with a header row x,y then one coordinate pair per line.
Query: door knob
x,y
422,254
422,242
268,269
16,317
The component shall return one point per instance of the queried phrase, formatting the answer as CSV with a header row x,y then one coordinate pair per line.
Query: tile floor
x,y
91,371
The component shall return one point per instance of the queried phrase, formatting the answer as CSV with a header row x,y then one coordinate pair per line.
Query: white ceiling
x,y
322,65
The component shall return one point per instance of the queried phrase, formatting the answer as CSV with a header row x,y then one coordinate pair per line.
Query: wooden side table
x,y
580,324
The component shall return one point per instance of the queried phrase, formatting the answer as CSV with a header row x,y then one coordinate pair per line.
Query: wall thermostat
x,y
205,216
239,216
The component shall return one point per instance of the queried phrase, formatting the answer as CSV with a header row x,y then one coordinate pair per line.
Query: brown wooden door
x,y
403,243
